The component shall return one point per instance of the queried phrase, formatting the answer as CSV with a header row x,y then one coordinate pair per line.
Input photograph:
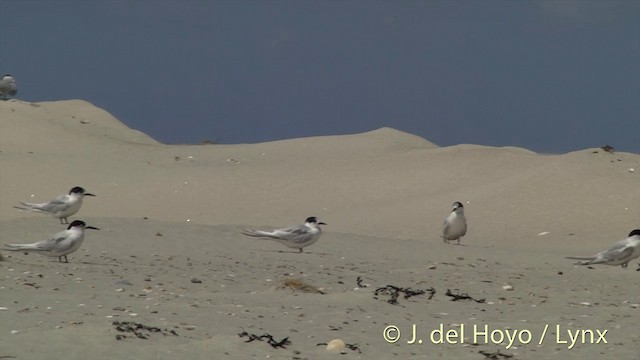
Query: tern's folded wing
x,y
52,244
615,254
60,203
292,231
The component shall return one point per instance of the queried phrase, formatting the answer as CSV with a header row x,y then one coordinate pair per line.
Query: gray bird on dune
x,y
8,87
58,245
61,207
296,237
620,253
455,225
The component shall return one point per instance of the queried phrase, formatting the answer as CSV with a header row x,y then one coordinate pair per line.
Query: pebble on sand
x,y
336,345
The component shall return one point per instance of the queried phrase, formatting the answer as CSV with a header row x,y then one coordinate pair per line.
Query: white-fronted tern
x,y
8,87
58,245
297,236
455,225
61,207
620,253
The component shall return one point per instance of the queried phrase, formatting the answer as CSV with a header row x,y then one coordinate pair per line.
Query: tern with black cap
x,y
61,207
296,237
455,225
60,244
620,253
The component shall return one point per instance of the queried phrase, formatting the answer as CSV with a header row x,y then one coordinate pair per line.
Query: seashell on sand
x,y
336,345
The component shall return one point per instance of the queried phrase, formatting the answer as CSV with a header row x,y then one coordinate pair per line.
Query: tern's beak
x,y
321,223
91,227
88,194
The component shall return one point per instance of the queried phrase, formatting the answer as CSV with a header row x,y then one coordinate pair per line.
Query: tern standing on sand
x,y
58,245
620,253
455,226
297,236
8,87
61,207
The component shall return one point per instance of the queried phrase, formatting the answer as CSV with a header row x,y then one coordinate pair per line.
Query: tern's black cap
x,y
313,219
76,223
82,224
79,190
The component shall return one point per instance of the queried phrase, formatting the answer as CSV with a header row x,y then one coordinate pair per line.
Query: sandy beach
x,y
170,253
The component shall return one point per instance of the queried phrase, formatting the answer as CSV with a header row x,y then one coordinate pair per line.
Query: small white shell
x,y
336,345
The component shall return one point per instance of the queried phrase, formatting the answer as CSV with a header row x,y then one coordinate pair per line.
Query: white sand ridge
x,y
383,182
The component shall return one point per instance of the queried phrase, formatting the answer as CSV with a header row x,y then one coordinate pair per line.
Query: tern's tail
x,y
29,206
257,233
580,258
588,260
19,247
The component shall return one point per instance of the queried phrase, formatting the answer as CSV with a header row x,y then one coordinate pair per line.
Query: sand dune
x,y
173,212
383,182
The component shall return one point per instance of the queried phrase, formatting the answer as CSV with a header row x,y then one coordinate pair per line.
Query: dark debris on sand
x,y
462,296
139,330
495,356
359,282
394,293
608,148
270,340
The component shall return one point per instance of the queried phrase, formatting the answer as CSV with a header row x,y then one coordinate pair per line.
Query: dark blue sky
x,y
551,76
